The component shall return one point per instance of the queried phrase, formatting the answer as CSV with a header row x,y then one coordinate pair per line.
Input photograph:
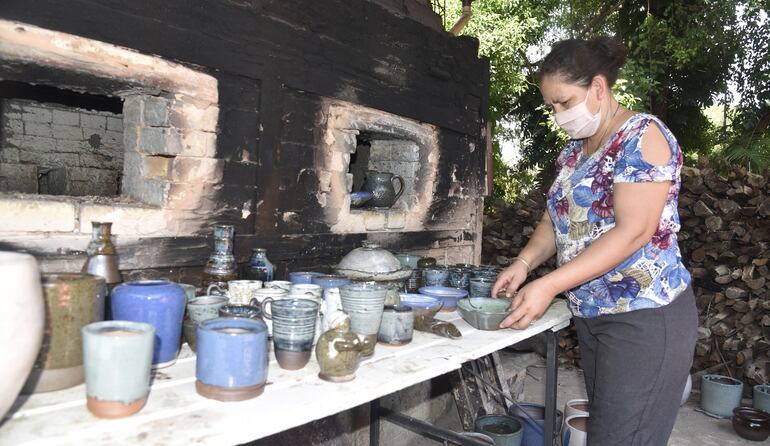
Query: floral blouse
x,y
580,204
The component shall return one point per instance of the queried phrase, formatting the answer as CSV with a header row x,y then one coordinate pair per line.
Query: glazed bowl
x,y
423,306
447,295
483,313
358,199
751,424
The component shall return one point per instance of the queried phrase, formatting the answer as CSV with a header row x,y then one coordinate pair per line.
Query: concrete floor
x,y
692,428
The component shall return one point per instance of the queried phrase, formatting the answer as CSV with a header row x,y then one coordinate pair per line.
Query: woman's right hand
x,y
510,279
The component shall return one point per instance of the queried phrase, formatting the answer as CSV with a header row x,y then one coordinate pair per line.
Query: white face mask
x,y
578,121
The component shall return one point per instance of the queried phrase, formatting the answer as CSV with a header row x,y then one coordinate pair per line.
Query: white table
x,y
176,415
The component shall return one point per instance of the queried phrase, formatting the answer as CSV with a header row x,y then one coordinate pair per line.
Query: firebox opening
x,y
382,152
59,142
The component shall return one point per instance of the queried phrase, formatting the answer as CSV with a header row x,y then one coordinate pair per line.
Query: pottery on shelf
x,y
364,303
72,302
102,258
505,430
339,350
300,277
331,280
380,184
360,198
751,423
720,395
408,260
424,307
484,313
159,303
435,276
117,356
448,296
371,262
259,267
221,267
203,308
294,325
22,322
397,325
579,406
232,358
481,286
240,310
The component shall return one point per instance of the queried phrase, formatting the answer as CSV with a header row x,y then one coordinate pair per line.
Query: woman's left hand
x,y
529,304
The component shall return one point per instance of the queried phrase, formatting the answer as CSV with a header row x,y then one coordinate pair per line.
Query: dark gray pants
x,y
636,366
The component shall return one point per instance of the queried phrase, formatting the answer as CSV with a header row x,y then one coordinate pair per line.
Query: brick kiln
x,y
166,118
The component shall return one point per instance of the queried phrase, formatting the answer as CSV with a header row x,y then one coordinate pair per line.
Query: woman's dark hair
x,y
577,61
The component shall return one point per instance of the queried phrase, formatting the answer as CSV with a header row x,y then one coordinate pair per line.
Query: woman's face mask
x,y
578,121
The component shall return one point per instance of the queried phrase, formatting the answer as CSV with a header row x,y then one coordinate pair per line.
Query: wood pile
x,y
725,243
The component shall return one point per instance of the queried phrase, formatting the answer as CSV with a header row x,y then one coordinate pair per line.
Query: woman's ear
x,y
602,88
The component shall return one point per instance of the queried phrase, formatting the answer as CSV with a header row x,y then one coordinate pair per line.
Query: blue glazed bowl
x,y
448,296
331,281
303,276
423,306
358,199
159,303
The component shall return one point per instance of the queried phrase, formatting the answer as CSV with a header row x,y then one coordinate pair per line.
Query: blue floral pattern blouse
x,y
580,204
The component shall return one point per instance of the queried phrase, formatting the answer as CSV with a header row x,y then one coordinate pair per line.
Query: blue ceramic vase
x,y
159,303
232,358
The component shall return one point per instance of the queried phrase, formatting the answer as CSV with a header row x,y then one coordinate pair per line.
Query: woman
x,y
612,221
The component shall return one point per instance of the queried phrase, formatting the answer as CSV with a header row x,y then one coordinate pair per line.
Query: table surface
x,y
176,415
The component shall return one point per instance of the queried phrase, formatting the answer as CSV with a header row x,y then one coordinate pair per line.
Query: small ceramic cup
x,y
575,431
481,286
118,360
303,276
294,326
761,398
232,358
203,308
460,277
238,291
397,325
579,406
280,284
240,310
364,303
189,290
435,276
307,290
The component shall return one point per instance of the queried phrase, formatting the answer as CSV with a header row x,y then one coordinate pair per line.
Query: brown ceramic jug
x,y
339,350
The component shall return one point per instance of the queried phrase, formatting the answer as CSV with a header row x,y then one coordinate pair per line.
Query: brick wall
x,y
59,150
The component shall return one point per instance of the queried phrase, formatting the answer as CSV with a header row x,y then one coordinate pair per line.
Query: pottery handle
x,y
347,346
263,306
220,291
400,189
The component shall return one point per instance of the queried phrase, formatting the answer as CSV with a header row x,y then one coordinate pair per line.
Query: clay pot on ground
x,y
720,395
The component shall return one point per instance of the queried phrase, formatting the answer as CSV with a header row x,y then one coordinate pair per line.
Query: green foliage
x,y
683,54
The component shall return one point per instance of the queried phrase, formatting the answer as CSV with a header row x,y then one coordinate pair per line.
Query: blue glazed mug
x,y
294,324
232,358
159,303
435,276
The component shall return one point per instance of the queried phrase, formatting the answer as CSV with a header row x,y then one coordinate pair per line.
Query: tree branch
x,y
606,10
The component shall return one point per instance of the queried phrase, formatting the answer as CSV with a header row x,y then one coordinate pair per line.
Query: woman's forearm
x,y
607,252
542,245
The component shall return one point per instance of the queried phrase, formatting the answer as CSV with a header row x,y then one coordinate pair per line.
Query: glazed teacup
x,y
118,359
241,310
364,303
397,325
435,276
238,291
460,277
294,324
203,308
232,358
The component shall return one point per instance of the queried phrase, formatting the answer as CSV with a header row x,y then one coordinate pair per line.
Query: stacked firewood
x,y
725,243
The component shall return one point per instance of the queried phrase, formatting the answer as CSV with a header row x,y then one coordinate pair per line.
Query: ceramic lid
x,y
370,259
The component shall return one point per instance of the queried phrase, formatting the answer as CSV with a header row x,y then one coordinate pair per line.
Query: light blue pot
x,y
720,395
762,397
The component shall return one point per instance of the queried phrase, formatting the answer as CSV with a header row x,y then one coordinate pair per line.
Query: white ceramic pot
x,y
21,322
575,431
576,407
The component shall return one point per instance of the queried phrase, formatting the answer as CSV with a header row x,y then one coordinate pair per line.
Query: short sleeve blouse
x,y
580,204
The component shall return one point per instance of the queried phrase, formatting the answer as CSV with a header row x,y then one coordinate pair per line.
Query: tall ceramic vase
x,y
159,303
21,322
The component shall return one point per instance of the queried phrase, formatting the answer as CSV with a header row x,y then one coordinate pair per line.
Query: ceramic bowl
x,y
483,313
370,259
751,424
448,296
358,199
423,306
